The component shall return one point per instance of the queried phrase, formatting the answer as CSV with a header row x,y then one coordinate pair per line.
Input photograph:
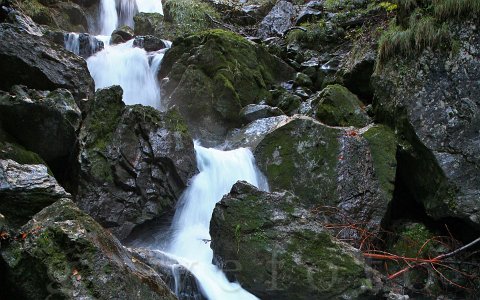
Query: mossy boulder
x,y
149,24
64,253
335,105
135,162
288,102
277,249
121,35
351,170
432,101
65,15
213,74
25,190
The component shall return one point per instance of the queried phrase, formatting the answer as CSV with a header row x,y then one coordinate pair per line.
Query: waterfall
x,y
219,170
72,42
108,17
129,67
135,70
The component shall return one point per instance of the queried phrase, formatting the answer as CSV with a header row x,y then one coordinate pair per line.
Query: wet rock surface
x,y
221,73
35,62
42,121
135,162
25,190
433,103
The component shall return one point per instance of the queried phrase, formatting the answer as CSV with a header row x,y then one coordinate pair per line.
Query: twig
x,y
455,252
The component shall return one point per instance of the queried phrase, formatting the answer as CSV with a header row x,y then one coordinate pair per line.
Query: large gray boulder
x,y
349,170
34,61
42,121
433,102
25,190
277,249
278,20
64,254
135,162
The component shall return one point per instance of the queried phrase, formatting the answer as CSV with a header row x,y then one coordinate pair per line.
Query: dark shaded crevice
x,y
154,232
405,206
358,81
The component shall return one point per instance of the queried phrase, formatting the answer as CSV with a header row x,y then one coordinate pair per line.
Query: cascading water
x,y
72,42
219,170
129,67
108,17
135,70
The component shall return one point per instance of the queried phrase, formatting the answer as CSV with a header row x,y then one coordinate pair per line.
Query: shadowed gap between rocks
x,y
405,207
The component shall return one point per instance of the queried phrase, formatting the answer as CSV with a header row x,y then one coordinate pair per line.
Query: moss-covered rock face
x,y
19,154
25,190
213,74
65,254
277,250
335,105
432,102
149,24
65,15
135,162
189,16
325,166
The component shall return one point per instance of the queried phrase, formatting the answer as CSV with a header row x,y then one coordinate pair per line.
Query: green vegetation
x,y
445,9
421,24
36,11
189,15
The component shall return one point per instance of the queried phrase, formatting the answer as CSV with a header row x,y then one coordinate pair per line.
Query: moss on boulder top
x,y
65,254
335,105
213,74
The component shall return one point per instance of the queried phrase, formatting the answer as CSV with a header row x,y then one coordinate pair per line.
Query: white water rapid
x,y
132,68
190,245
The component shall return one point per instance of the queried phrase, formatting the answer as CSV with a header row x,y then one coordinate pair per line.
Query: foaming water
x,y
130,68
190,243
